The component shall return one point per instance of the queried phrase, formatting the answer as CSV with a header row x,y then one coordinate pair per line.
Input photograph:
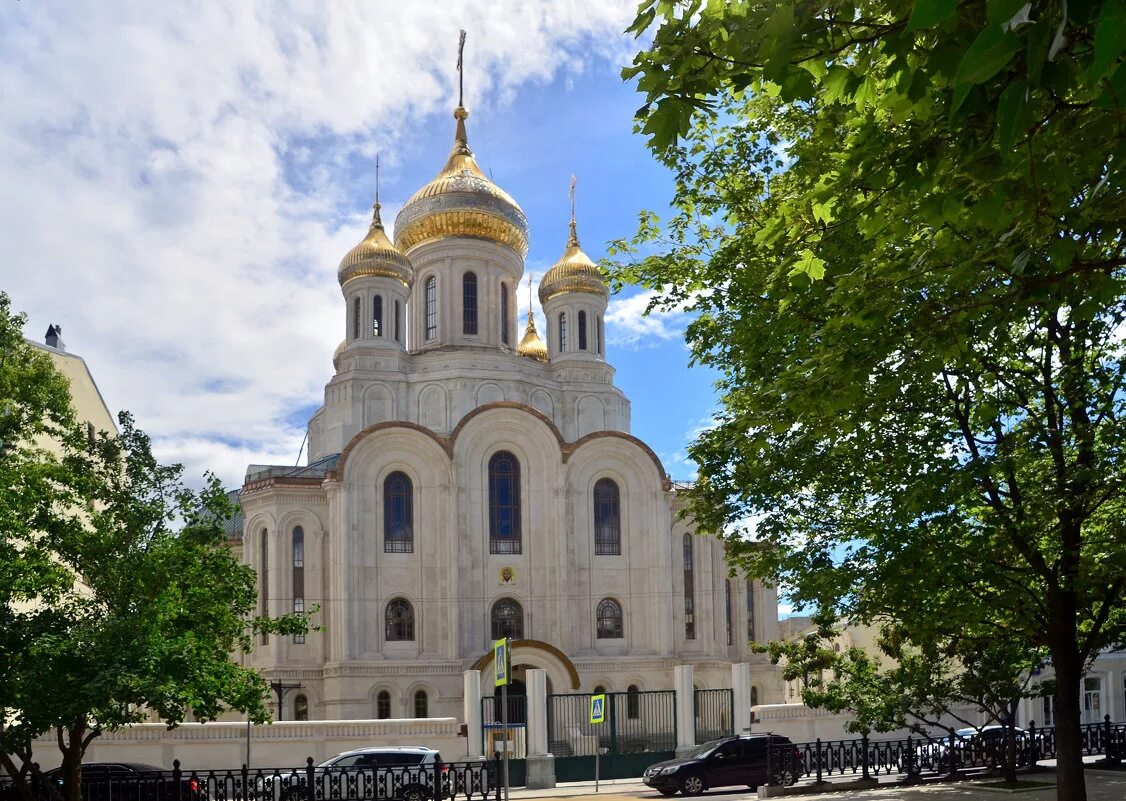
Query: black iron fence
x,y
436,781
921,756
714,714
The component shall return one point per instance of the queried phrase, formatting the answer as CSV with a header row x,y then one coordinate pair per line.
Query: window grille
x,y
398,514
607,518
504,503
469,304
400,621
507,619
609,619
431,307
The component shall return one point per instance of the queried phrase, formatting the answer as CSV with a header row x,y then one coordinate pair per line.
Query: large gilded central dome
x,y
461,201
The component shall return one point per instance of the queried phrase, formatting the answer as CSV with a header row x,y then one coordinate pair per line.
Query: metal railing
x,y
714,714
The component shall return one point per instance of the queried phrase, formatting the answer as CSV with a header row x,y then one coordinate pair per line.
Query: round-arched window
x,y
507,619
609,619
399,620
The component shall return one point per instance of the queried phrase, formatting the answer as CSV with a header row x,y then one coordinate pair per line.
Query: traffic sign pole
x,y
502,667
597,718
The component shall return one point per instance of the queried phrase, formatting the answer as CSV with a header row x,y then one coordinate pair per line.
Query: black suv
x,y
731,760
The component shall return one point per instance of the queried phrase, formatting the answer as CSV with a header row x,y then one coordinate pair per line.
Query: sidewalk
x,y
1102,785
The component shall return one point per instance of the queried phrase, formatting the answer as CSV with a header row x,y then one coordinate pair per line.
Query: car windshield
x,y
704,749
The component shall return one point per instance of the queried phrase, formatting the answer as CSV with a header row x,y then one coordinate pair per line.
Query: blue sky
x,y
177,186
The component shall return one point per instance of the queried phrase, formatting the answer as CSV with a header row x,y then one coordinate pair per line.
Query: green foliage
x,y
900,226
119,592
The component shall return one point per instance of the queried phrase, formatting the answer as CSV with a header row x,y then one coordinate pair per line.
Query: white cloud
x,y
164,197
627,324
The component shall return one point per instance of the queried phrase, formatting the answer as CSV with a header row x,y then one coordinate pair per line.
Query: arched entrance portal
x,y
517,701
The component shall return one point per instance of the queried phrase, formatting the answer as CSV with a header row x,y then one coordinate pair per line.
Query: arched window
x,y
689,590
599,689
607,518
300,708
398,514
469,304
398,323
582,330
377,315
421,705
356,318
400,621
504,503
298,576
562,332
383,705
750,610
264,580
754,695
507,619
727,610
609,619
633,702
431,307
504,325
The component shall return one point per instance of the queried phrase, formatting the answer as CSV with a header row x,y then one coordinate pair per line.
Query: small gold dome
x,y
375,255
575,272
336,353
531,345
461,201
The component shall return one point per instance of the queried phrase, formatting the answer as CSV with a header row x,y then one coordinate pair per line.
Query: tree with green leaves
x,y
900,227
118,592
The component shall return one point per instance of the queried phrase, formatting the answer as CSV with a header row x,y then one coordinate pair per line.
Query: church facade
x,y
467,481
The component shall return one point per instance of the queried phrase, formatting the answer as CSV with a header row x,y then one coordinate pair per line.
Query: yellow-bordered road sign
x,y
500,662
598,708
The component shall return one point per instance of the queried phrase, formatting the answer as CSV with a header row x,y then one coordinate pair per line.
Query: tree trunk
x,y
1068,667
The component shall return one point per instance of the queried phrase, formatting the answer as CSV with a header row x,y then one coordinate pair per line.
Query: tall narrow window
x,y
265,579
383,705
504,503
356,318
431,307
398,514
298,576
750,610
400,621
300,708
507,619
689,590
609,620
504,314
607,518
421,705
582,330
562,332
727,610
599,342
469,304
398,323
633,702
377,315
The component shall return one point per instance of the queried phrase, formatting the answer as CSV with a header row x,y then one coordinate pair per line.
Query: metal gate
x,y
714,714
497,737
640,729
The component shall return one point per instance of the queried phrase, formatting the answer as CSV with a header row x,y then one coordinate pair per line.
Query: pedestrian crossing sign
x,y
598,708
500,662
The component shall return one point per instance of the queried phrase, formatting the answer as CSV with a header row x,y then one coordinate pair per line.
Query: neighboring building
x,y
86,398
466,482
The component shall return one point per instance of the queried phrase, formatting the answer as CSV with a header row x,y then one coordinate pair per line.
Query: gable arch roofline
x,y
445,443
570,449
536,645
523,407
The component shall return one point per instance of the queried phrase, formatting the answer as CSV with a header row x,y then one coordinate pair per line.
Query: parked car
x,y
396,773
727,761
129,781
972,748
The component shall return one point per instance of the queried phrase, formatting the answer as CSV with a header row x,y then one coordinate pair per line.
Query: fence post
x,y
310,791
177,777
770,759
245,782
438,779
953,766
497,772
35,780
819,760
864,744
909,758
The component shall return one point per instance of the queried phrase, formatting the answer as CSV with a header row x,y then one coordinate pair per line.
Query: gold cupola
x,y
574,272
531,345
461,201
375,256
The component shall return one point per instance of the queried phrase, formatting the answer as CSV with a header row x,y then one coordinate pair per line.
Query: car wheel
x,y
789,777
414,793
692,785
665,791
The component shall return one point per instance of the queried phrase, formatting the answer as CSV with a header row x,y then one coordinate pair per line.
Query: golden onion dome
x,y
575,272
375,255
461,201
531,345
336,353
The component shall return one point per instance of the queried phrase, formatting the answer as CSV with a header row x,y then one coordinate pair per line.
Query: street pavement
x,y
1102,785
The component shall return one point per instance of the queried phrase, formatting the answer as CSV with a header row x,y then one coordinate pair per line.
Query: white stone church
x,y
468,481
